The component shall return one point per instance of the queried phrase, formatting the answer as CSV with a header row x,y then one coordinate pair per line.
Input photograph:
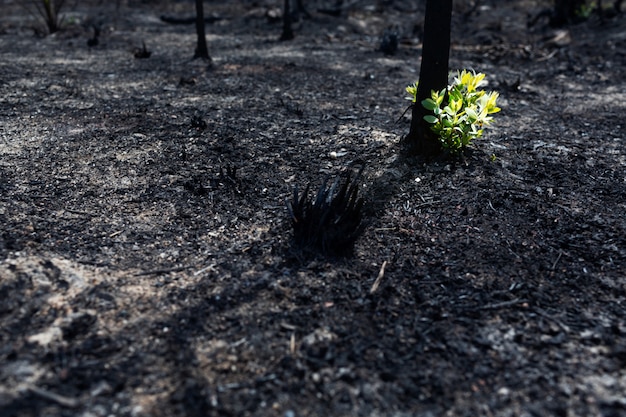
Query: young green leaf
x,y
429,104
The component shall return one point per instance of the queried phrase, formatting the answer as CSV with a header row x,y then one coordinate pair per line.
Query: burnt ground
x,y
146,264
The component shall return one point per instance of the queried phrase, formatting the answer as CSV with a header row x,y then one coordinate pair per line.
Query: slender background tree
x,y
202,51
48,10
287,34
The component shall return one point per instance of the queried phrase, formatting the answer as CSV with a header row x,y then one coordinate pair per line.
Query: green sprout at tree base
x,y
460,111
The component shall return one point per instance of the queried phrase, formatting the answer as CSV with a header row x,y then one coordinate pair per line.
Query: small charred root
x,y
332,222
197,122
142,53
227,178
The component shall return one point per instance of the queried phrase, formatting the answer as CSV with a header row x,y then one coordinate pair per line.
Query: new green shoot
x,y
460,111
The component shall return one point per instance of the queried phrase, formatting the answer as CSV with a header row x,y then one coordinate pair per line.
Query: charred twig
x,y
556,261
59,399
546,316
161,271
379,279
497,306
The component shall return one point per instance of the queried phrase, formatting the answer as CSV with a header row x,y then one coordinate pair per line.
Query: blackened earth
x,y
146,265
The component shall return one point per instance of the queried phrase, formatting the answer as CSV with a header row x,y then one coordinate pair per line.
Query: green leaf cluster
x,y
460,111
584,10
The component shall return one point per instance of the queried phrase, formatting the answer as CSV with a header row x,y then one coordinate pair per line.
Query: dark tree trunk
x,y
433,73
202,51
287,34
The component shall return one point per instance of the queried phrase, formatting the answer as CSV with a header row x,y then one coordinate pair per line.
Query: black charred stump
x,y
197,122
331,222
91,42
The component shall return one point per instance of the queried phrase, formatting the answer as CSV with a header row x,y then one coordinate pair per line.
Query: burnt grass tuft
x,y
331,222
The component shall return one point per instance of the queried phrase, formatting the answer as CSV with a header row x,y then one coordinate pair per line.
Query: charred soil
x,y
146,264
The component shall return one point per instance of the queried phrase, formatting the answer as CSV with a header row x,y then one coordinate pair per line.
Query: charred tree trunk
x,y
433,73
287,34
202,51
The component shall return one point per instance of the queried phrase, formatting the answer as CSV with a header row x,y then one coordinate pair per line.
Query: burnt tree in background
x,y
202,51
48,10
290,16
52,9
433,73
287,34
